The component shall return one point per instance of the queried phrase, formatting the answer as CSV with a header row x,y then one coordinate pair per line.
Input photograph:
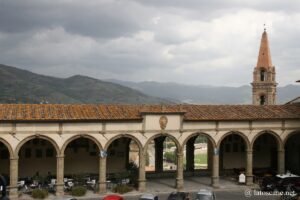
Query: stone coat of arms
x,y
163,121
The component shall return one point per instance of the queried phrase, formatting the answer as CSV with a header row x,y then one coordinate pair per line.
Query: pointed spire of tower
x,y
264,56
264,83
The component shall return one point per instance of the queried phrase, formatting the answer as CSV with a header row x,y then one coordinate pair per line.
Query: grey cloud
x,y
195,42
95,19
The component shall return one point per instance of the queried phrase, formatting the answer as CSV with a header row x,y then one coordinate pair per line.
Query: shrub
x,y
39,193
78,191
121,189
133,170
170,157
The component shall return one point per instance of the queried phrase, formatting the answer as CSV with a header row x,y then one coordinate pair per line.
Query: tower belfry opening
x,y
264,75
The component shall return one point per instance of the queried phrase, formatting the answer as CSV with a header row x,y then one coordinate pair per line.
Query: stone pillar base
x,y
59,190
102,187
179,185
215,181
249,180
13,193
142,185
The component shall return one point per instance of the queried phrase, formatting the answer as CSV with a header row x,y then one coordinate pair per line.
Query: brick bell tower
x,y
264,84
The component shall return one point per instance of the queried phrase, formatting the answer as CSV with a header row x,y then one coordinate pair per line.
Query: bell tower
x,y
264,84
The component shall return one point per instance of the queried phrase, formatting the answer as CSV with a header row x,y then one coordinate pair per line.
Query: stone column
x,y
142,173
102,175
281,161
179,178
215,170
209,155
249,175
60,167
13,187
159,148
190,155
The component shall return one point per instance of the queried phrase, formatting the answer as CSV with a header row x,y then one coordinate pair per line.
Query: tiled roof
x,y
89,112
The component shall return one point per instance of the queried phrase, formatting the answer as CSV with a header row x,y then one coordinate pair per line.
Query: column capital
x,y
60,156
249,150
280,150
14,158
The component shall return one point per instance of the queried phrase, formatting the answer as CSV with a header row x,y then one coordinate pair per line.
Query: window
x,y
235,147
262,75
38,153
262,100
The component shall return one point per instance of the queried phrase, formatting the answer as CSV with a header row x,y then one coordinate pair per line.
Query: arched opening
x,y
233,155
161,155
262,100
123,162
161,161
292,153
37,163
265,155
4,162
198,152
263,75
82,163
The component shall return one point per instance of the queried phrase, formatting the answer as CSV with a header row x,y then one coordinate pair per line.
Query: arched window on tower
x,y
262,100
262,75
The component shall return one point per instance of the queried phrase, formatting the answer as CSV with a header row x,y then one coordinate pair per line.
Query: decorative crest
x,y
163,121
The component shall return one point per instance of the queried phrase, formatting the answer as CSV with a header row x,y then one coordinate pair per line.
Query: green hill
x,y
22,86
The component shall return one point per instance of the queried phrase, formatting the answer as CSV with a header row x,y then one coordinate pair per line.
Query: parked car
x,y
205,195
285,182
288,183
113,197
148,197
269,183
179,196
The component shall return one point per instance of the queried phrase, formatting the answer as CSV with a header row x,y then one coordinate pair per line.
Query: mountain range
x,y
205,94
22,86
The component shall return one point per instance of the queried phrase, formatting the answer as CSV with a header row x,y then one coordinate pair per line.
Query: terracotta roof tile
x,y
85,112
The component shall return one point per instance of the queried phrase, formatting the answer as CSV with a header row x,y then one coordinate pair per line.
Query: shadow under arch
x,y
8,146
179,148
277,138
110,141
242,135
292,152
19,146
213,142
68,141
289,136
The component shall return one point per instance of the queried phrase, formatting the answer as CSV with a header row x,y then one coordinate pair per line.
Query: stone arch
x,y
210,138
122,136
289,136
53,142
278,140
68,141
242,135
8,146
174,139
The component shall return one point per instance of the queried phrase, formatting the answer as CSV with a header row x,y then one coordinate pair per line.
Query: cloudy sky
x,y
212,42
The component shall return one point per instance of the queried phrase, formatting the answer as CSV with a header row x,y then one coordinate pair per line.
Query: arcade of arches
x,y
180,149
